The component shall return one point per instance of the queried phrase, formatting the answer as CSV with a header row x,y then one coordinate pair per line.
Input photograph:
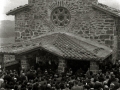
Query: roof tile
x,y
61,44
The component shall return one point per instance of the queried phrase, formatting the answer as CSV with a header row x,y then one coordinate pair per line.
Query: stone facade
x,y
85,21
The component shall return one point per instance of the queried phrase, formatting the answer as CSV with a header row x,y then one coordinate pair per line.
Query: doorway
x,y
43,60
76,65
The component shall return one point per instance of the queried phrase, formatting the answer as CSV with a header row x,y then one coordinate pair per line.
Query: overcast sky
x,y
6,5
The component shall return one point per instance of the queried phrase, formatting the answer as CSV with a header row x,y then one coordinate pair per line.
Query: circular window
x,y
60,17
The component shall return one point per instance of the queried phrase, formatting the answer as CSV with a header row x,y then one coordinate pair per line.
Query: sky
x,y
6,5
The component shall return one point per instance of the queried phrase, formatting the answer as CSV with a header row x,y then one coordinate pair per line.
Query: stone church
x,y
66,33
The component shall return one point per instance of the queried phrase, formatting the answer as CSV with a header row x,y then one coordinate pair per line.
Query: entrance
x,y
76,65
43,60
13,67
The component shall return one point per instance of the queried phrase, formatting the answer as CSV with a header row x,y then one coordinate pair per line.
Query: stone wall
x,y
85,21
118,33
34,1
24,63
94,67
1,61
22,29
62,65
9,60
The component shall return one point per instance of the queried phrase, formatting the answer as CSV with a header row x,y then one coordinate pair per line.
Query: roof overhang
x,y
18,9
106,9
62,44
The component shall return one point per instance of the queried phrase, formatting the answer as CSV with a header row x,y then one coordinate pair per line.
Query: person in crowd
x,y
37,79
76,86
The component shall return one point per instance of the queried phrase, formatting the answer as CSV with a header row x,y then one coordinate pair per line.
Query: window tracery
x,y
60,16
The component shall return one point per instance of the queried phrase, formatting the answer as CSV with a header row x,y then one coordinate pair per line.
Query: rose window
x,y
60,17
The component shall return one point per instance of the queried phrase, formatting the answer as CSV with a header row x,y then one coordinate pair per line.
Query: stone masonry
x,y
86,21
94,67
62,65
118,43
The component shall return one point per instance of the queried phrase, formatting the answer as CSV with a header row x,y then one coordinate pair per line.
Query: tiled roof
x,y
107,9
62,44
70,49
18,9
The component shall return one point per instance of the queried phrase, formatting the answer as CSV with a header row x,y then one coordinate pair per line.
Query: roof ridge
x,y
55,39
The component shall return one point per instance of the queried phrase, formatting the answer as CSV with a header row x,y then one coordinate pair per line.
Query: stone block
x,y
31,33
91,37
108,42
26,31
96,37
17,34
27,34
61,65
109,32
25,38
86,32
29,37
111,37
80,32
111,47
23,34
109,20
36,33
94,66
104,36
17,40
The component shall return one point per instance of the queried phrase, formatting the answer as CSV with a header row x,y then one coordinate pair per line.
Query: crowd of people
x,y
108,78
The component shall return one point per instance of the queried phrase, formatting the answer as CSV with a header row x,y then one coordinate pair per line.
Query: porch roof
x,y
63,44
